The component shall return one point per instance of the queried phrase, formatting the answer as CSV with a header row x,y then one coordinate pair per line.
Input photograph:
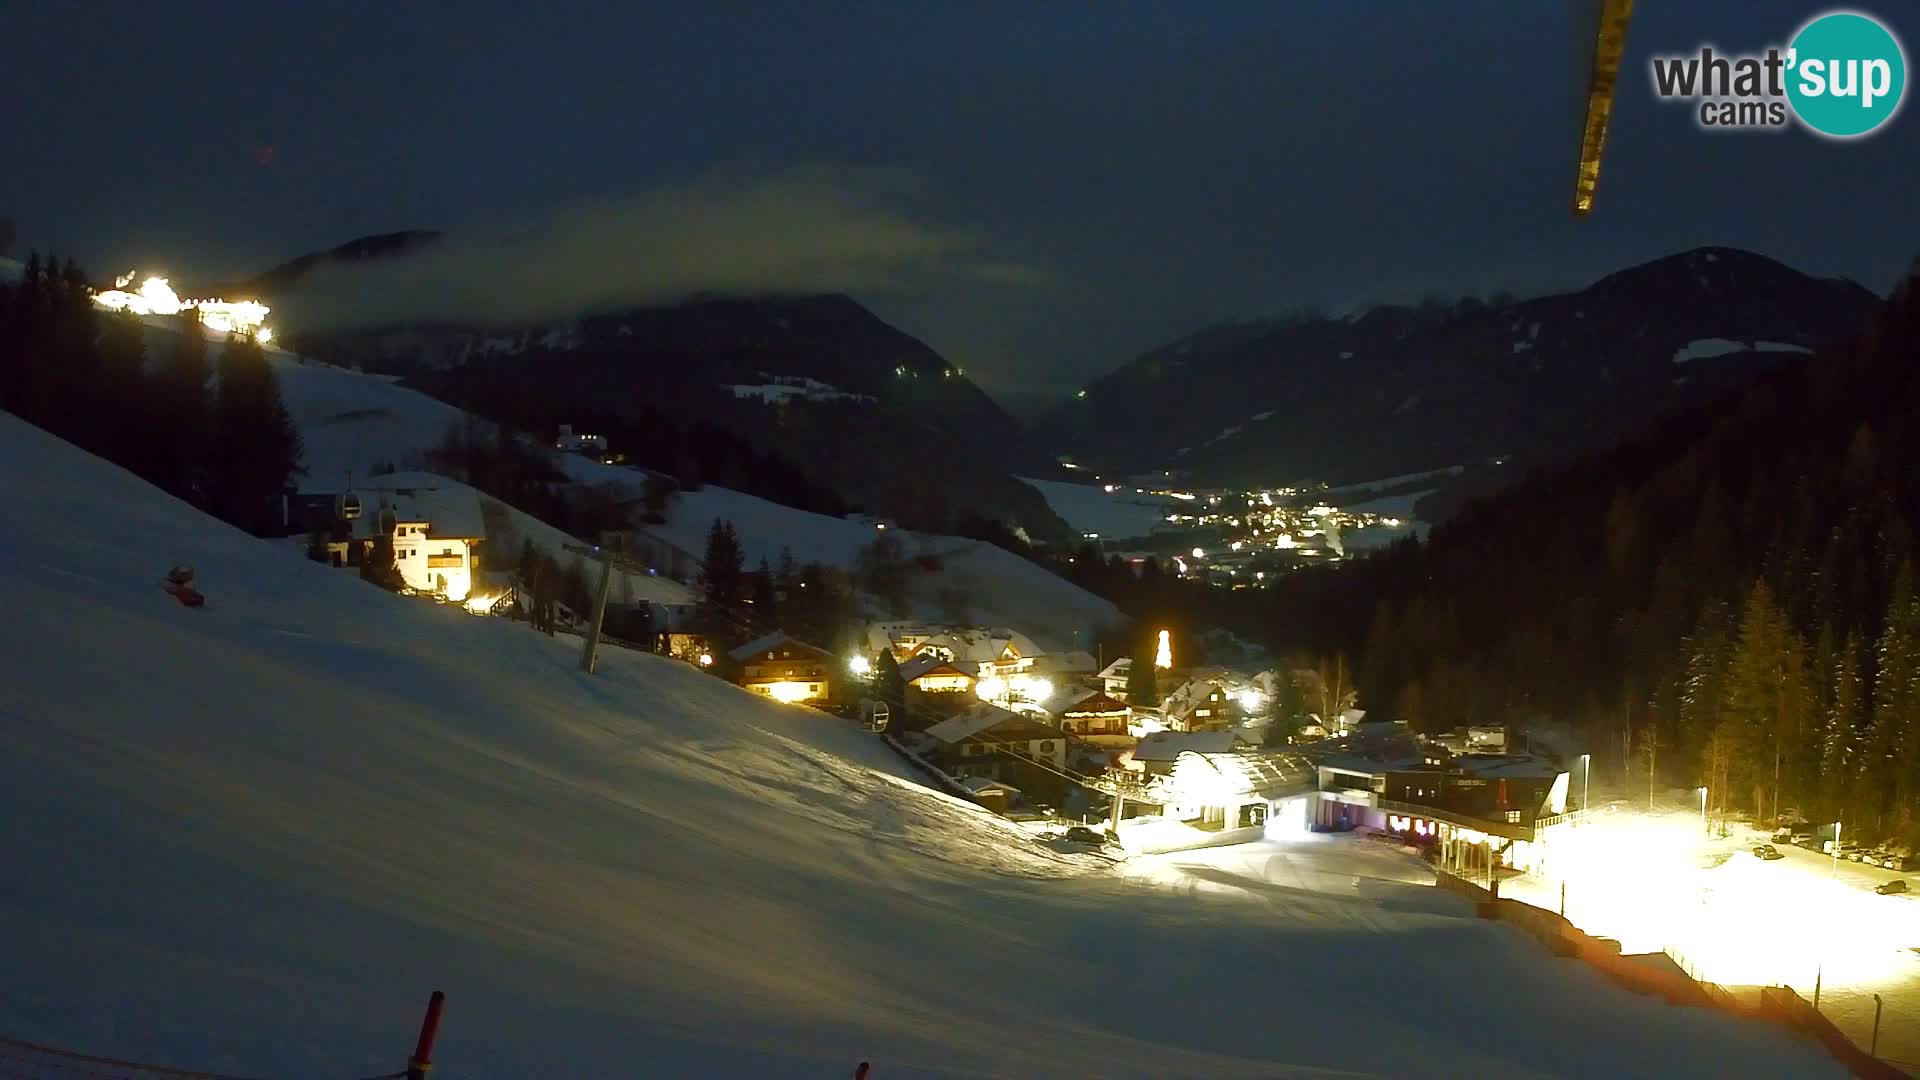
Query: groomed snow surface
x,y
250,838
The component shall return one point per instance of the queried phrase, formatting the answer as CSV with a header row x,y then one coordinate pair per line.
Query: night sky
x,y
1039,190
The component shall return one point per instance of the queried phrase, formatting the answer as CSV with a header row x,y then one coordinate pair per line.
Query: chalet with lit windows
x,y
989,741
435,525
1200,706
930,674
784,669
1097,719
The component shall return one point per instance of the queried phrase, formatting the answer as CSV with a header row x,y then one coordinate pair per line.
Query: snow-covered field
x,y
352,422
250,838
1000,588
1121,514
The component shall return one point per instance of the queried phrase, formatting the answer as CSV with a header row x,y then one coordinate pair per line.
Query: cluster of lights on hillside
x,y
156,297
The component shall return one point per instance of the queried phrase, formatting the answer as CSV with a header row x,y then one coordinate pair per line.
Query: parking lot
x,y
1655,881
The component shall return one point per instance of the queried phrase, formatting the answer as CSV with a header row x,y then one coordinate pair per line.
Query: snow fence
x,y
31,1061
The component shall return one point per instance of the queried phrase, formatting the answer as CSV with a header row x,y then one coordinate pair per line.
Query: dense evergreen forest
x,y
1729,601
214,432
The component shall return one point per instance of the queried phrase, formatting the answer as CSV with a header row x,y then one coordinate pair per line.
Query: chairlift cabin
x,y
874,714
348,507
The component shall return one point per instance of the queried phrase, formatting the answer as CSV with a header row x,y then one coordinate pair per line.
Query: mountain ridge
x,y
1441,384
816,379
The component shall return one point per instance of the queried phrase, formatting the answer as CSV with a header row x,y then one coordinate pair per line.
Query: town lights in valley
x,y
156,297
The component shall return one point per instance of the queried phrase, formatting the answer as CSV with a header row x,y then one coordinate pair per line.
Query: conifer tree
x,y
720,585
766,608
888,686
183,410
256,448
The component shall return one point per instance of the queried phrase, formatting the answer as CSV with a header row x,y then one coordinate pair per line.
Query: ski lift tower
x,y
608,559
1600,42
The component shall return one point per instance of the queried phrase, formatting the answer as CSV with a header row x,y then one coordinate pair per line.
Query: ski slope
x,y
250,838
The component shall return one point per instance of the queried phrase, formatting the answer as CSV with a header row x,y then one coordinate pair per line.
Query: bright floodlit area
x,y
1660,880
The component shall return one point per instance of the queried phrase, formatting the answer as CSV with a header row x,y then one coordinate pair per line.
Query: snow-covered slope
x,y
1120,514
1000,587
352,422
249,838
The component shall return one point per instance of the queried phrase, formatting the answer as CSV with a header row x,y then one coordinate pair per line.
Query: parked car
x,y
1892,888
1784,836
1853,854
1767,853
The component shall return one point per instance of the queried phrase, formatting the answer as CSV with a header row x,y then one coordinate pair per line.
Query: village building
x,y
930,674
1113,678
1071,666
1200,706
902,638
1155,753
996,743
785,669
1097,719
1480,810
991,793
1239,796
434,523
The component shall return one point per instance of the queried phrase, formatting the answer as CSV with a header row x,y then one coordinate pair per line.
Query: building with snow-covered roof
x,y
434,523
784,668
987,740
1113,678
931,674
1155,753
990,793
991,652
1097,718
1237,796
1200,705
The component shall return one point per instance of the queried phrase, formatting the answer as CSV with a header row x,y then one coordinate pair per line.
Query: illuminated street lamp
x,y
1586,780
1703,812
1835,872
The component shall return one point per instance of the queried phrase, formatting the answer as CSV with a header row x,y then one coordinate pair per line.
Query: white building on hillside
x,y
435,525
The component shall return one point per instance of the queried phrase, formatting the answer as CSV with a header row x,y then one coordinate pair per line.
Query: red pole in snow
x,y
422,1058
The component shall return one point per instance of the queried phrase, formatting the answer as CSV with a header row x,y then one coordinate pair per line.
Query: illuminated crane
x,y
1602,41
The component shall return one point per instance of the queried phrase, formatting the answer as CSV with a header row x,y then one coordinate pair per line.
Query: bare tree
x,y
1336,687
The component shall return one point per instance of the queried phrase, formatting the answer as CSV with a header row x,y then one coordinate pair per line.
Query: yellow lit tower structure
x,y
1600,29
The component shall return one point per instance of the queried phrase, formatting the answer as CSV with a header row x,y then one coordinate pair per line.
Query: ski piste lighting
x,y
156,297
